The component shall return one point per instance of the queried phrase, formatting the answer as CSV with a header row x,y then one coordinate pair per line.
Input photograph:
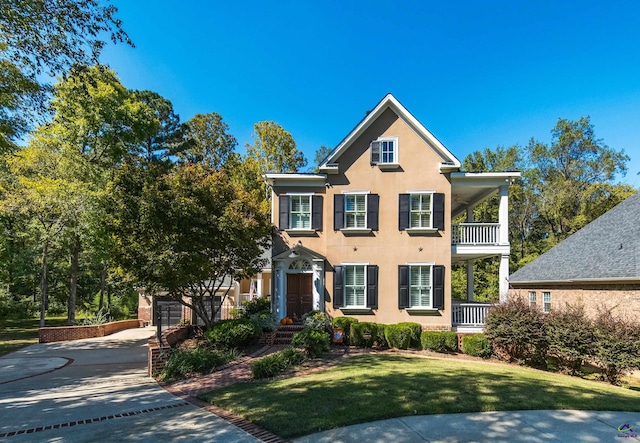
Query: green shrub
x,y
416,330
234,333
277,363
516,332
316,320
570,337
476,345
313,341
266,320
358,330
617,346
256,306
199,360
401,335
439,341
344,323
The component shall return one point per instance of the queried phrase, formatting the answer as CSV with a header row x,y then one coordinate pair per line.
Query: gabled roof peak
x,y
449,161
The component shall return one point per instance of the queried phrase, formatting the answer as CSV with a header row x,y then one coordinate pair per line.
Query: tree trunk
x,y
103,281
44,288
73,284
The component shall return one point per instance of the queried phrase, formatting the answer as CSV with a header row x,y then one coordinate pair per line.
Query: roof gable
x,y
605,249
389,102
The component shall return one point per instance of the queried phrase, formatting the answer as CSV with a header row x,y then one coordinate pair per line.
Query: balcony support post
x,y
470,264
503,215
504,278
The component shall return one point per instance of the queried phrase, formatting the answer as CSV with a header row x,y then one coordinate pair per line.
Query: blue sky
x,y
477,74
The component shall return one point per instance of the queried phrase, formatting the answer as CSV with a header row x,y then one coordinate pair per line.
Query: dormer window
x,y
384,151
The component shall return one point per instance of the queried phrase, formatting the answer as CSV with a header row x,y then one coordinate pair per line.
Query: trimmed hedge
x,y
314,341
359,329
277,363
476,345
403,335
200,360
234,333
345,323
439,341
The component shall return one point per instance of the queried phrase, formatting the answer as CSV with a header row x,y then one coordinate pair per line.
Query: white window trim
x,y
396,150
544,303
533,302
308,230
421,308
355,307
421,229
356,230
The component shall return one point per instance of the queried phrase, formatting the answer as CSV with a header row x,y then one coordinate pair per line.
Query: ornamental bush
x,y
266,320
234,333
516,332
476,345
570,337
617,346
257,305
416,331
439,341
344,323
358,330
277,363
401,335
314,341
316,320
198,360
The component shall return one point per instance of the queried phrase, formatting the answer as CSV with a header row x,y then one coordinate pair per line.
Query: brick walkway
x,y
240,371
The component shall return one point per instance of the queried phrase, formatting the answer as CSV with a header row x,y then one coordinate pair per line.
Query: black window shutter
x,y
438,287
438,211
403,287
403,212
372,286
316,212
373,203
338,287
338,212
375,152
284,212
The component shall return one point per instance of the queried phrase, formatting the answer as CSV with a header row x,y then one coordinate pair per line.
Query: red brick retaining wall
x,y
65,333
159,352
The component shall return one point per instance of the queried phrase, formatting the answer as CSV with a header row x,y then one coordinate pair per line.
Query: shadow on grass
x,y
373,387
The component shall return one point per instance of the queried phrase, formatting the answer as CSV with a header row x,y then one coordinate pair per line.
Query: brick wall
x,y
159,352
621,299
66,333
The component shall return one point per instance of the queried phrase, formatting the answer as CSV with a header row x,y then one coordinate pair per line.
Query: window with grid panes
x,y
300,211
354,285
355,211
420,286
420,210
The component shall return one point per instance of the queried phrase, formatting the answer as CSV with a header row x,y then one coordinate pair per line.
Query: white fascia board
x,y
295,179
389,101
484,178
599,281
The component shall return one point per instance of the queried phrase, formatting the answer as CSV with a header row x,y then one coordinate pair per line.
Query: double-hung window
x,y
421,211
532,299
300,210
546,302
355,286
355,211
384,151
421,286
300,213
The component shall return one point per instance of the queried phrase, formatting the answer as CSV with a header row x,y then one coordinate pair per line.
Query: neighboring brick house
x,y
598,266
371,235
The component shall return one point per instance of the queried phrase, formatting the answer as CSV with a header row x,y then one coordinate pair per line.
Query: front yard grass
x,y
18,333
374,387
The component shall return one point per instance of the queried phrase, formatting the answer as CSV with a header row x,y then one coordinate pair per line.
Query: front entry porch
x,y
298,282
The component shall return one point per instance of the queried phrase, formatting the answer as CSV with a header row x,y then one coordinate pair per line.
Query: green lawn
x,y
373,387
18,333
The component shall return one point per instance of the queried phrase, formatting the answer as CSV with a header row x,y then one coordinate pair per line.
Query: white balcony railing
x,y
469,314
475,234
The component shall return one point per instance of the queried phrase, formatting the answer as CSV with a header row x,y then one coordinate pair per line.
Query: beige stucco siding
x,y
387,247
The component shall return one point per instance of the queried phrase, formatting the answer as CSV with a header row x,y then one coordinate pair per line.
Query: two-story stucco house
x,y
371,235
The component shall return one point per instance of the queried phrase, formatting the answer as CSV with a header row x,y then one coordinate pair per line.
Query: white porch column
x,y
503,215
504,278
258,288
278,298
470,264
318,284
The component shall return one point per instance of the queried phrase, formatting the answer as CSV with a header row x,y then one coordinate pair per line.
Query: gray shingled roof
x,y
607,248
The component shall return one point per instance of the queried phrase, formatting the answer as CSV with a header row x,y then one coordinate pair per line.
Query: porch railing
x,y
469,314
475,234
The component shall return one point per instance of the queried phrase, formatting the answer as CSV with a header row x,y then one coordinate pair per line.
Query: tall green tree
x,y
207,141
274,149
40,38
322,153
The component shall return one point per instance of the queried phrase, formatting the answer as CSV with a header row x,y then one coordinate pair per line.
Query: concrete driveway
x,y
97,390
